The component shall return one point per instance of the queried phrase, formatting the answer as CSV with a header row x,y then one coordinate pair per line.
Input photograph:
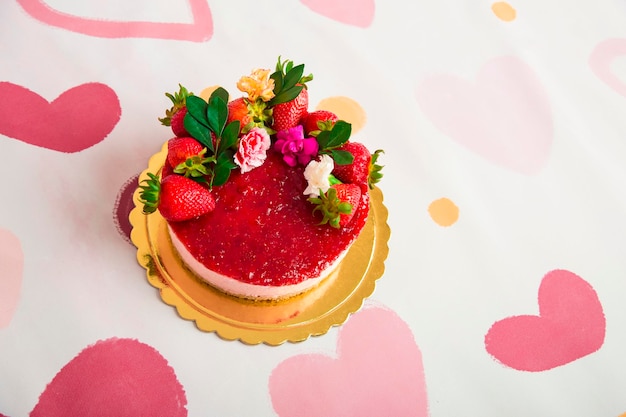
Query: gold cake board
x,y
295,319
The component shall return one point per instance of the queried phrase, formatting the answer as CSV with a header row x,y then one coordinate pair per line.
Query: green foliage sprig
x,y
288,82
206,122
329,140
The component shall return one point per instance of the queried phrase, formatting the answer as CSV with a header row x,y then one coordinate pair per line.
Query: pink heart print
x,y
352,12
114,377
76,120
377,372
504,115
570,325
601,59
200,30
11,271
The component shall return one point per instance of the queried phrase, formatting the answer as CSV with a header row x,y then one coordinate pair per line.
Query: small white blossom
x,y
317,173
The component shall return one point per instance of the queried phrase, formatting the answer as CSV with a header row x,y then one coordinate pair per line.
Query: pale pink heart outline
x,y
67,124
570,325
600,61
11,273
352,12
504,115
199,31
120,377
378,371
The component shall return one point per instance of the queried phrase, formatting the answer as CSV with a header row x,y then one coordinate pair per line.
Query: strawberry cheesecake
x,y
262,198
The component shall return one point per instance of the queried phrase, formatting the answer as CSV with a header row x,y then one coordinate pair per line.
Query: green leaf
x,y
221,93
278,81
197,107
293,76
286,95
198,131
226,158
230,135
322,139
339,134
220,175
221,171
217,114
341,157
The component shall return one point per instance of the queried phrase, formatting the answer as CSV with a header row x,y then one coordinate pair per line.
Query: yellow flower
x,y
258,84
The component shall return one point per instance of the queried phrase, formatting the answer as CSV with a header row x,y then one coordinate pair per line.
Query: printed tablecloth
x,y
504,130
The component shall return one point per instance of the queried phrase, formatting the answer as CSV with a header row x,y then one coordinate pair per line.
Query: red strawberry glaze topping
x,y
262,230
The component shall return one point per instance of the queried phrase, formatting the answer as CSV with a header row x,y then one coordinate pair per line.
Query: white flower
x,y
317,173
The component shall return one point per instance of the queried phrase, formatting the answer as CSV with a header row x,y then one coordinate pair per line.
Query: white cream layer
x,y
243,289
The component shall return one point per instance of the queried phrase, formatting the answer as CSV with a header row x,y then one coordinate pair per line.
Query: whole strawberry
x,y
238,110
185,156
287,115
358,171
177,198
177,122
338,205
175,115
167,170
291,98
181,148
363,170
317,121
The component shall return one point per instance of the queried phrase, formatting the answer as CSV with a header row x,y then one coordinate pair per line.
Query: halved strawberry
x,y
177,198
287,115
337,205
318,120
175,115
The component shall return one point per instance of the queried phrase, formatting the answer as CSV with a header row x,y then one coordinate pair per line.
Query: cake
x,y
262,197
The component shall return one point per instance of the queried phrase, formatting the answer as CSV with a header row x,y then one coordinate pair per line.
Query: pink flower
x,y
252,149
295,147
